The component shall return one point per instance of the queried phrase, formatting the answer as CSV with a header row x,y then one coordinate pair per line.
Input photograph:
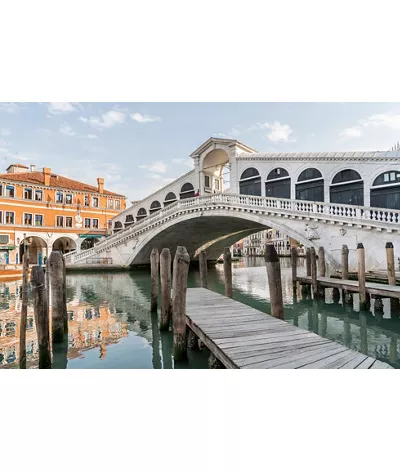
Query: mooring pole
x,y
40,307
391,271
293,258
180,276
228,272
274,281
203,268
55,273
314,273
154,266
361,276
321,270
165,275
24,311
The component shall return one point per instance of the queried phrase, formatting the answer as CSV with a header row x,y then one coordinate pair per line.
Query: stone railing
x,y
340,212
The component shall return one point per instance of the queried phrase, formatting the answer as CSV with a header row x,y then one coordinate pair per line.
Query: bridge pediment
x,y
214,143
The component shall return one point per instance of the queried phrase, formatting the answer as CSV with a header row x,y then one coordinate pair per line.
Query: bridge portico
x,y
318,199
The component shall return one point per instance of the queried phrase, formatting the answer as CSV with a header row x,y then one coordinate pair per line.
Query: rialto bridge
x,y
318,199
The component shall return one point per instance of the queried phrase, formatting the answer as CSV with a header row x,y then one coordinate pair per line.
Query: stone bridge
x,y
215,221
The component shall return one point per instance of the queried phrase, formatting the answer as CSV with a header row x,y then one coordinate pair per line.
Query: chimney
x,y
33,168
100,185
47,176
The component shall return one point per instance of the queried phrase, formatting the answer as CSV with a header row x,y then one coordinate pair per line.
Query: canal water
x,y
110,324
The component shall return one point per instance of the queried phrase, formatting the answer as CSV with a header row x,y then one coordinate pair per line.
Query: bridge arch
x,y
347,187
310,185
141,214
277,183
385,190
170,198
250,182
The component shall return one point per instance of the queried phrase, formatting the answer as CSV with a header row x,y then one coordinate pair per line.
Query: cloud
x,y
5,132
44,131
384,120
61,108
106,120
92,136
279,132
184,161
156,167
11,108
144,118
67,130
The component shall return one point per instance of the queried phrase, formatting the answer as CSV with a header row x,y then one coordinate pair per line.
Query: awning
x,y
89,236
7,247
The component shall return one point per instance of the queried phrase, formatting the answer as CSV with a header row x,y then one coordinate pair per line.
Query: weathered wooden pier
x,y
241,337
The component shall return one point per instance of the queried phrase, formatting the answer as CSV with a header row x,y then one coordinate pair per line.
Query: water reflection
x,y
110,324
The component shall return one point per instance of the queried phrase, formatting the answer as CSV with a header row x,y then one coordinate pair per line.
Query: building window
x,y
117,204
68,222
87,223
68,199
250,182
141,214
216,184
170,198
10,191
39,220
59,197
38,195
187,191
278,184
95,223
154,207
28,219
28,193
206,181
95,202
59,221
86,201
1,217
10,218
110,203
310,186
385,192
1,189
347,187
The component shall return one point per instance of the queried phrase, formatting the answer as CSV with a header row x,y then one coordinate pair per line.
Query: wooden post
x,y
180,275
41,316
394,303
321,261
165,275
361,276
314,273
228,272
335,295
308,262
214,363
274,281
65,296
154,265
155,333
378,306
293,257
56,274
24,312
203,268
192,340
345,262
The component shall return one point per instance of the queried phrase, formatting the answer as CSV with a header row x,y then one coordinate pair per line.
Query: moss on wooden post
x,y
55,273
154,265
228,272
361,276
203,268
24,312
165,276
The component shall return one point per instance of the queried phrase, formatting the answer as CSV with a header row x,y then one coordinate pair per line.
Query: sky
x,y
139,147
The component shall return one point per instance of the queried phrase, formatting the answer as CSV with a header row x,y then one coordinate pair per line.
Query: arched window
x,y
278,184
117,226
347,188
169,199
129,220
250,182
310,185
385,192
187,191
141,214
155,206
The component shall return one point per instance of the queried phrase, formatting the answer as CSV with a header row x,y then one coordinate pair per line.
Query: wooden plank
x,y
354,362
366,364
380,365
331,361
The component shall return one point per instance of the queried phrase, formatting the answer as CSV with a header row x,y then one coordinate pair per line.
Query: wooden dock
x,y
373,288
241,337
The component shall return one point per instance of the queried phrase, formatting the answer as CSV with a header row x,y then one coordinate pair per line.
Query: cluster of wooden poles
x,y
318,291
43,285
173,278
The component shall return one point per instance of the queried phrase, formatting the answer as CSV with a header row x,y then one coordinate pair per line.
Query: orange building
x,y
49,212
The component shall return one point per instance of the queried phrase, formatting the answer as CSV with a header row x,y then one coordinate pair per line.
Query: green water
x,y
110,324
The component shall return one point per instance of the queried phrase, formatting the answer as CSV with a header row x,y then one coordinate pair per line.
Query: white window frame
x,y
84,222
72,198
6,235
117,202
62,218
93,199
86,196
9,212
63,197
110,203
72,222
32,194
43,224
23,219
11,186
39,191
98,223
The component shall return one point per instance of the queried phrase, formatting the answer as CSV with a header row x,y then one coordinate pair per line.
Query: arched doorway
x,y
154,207
187,191
170,198
347,187
278,184
385,191
37,250
216,171
310,186
141,214
250,182
89,243
117,226
64,245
